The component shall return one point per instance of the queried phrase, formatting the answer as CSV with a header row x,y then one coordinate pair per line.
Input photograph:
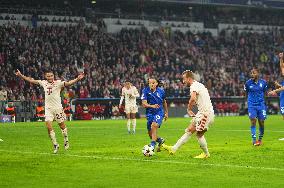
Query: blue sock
x,y
261,133
153,143
253,133
159,140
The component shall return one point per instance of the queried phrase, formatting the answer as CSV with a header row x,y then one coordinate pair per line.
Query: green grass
x,y
102,154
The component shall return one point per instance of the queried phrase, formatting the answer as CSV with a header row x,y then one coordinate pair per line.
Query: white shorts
x,y
203,121
131,109
57,114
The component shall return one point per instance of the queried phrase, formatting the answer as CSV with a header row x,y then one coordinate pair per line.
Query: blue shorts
x,y
158,118
281,106
258,112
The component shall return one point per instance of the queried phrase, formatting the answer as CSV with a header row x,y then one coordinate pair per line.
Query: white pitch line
x,y
150,161
172,129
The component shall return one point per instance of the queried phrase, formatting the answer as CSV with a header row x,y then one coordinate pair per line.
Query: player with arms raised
x,y
255,89
130,93
201,121
53,106
154,100
280,88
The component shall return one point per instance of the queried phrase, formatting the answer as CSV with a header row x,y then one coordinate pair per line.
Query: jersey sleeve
x,y
41,83
144,95
61,83
194,88
164,95
265,88
246,87
123,92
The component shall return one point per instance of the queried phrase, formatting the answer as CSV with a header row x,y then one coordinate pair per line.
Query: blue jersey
x,y
156,97
282,100
256,92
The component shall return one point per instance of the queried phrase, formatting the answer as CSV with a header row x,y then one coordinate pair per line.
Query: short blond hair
x,y
188,74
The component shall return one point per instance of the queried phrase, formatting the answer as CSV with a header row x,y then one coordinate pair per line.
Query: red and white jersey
x,y
203,100
52,93
130,95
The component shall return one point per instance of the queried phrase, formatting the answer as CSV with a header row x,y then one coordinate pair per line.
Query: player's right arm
x,y
145,104
191,103
28,79
121,97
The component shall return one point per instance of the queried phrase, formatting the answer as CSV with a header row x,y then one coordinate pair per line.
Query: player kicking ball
x,y
154,100
201,120
53,106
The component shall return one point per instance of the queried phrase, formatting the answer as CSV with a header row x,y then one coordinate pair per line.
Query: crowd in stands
x,y
222,63
12,17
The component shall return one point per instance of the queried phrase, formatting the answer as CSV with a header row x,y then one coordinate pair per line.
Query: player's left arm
x,y
275,91
191,103
136,93
281,61
277,85
165,106
71,82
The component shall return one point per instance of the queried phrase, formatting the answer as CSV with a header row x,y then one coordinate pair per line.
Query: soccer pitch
x,y
102,154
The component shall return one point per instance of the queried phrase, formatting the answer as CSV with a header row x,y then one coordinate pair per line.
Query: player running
x,y
130,93
255,89
53,106
154,100
201,120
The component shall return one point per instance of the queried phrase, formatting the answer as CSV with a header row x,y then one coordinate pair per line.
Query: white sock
x,y
128,125
182,140
203,144
65,134
134,124
52,137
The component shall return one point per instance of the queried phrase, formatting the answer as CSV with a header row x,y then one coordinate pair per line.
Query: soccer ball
x,y
148,151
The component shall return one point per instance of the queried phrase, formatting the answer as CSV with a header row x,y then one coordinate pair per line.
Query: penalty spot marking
x,y
150,161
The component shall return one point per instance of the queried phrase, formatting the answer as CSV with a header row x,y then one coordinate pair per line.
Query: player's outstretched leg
x,y
64,134
183,139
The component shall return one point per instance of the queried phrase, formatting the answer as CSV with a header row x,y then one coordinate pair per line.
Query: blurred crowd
x,y
222,63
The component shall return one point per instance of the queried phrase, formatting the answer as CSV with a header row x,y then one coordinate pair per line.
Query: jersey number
x,y
59,116
158,117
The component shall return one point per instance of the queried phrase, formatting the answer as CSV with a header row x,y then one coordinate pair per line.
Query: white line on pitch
x,y
150,161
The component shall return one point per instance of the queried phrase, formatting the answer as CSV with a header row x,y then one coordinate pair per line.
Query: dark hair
x,y
157,80
48,71
255,68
